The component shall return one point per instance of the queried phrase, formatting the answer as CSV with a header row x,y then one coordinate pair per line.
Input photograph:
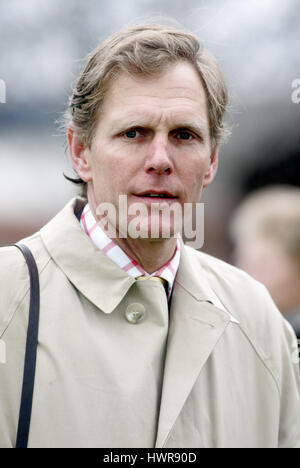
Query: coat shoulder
x,y
250,304
14,276
234,287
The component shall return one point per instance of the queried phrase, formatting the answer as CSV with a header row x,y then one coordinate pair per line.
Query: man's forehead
x,y
144,117
155,90
177,81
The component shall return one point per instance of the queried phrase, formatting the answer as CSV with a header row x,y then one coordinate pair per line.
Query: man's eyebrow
x,y
195,127
120,124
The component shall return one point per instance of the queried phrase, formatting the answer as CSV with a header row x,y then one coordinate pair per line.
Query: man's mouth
x,y
156,195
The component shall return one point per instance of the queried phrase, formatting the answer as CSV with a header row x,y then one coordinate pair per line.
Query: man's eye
x,y
131,134
184,136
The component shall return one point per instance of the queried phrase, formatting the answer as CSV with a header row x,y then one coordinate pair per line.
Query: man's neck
x,y
150,254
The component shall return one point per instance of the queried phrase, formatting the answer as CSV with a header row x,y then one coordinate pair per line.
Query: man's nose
x,y
158,159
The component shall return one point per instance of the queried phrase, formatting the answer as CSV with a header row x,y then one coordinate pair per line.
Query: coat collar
x,y
71,249
192,277
87,267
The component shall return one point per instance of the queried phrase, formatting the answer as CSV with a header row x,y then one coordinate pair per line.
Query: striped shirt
x,y
120,258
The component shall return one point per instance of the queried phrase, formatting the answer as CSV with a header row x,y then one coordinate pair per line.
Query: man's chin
x,y
152,229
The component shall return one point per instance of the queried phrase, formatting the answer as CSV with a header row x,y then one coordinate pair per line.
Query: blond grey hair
x,y
144,50
271,213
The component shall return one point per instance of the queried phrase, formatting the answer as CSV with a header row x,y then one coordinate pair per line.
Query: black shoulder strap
x,y
30,352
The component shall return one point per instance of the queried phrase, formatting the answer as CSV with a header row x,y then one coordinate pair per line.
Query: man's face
x,y
152,138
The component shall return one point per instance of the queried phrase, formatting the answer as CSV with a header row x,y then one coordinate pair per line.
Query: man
x,y
207,360
266,234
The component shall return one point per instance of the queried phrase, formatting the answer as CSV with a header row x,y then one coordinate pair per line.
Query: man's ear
x,y
212,169
80,156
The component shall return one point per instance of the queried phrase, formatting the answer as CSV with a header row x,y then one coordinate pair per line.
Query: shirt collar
x,y
120,258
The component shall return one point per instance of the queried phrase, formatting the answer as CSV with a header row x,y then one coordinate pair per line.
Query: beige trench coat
x,y
222,372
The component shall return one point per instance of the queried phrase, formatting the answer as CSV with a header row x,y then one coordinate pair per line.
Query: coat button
x,y
135,313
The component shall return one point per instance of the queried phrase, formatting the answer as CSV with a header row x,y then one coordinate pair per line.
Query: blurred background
x,y
43,44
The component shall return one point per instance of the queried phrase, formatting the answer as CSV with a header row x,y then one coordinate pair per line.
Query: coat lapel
x,y
196,325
